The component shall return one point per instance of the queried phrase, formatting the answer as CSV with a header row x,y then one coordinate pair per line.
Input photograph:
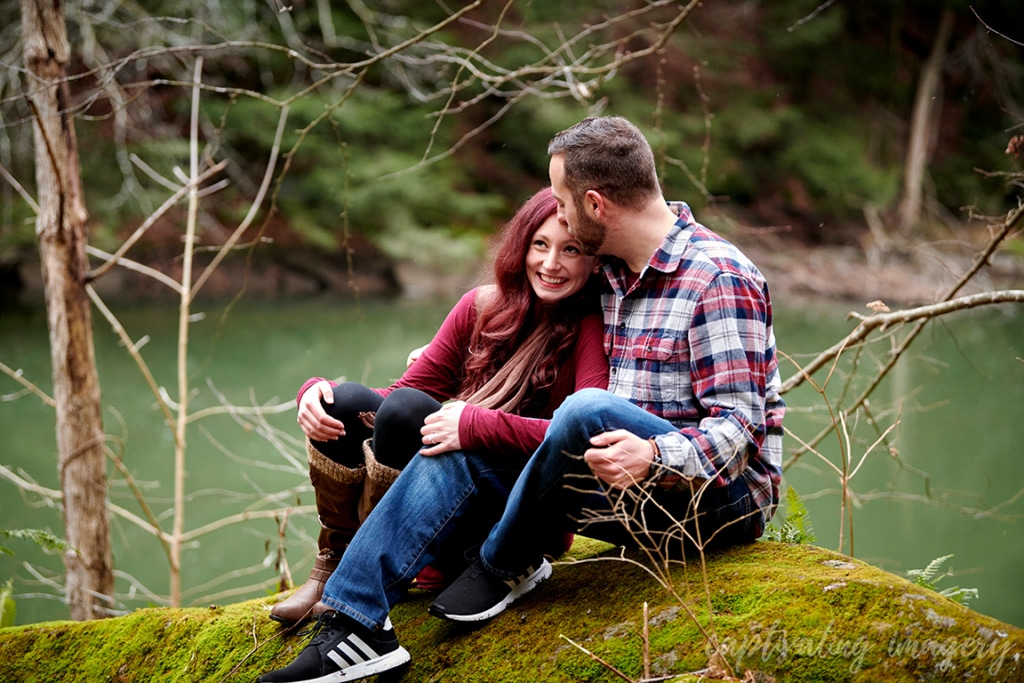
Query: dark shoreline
x,y
793,271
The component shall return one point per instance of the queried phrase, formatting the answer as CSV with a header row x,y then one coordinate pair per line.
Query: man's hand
x,y
620,458
441,429
315,422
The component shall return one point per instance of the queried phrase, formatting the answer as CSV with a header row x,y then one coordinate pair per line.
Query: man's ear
x,y
594,203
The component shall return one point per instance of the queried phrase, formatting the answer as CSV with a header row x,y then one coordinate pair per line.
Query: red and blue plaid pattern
x,y
691,341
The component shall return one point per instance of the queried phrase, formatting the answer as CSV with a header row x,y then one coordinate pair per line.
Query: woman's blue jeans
x,y
438,506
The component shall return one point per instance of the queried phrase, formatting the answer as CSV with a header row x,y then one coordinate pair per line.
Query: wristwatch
x,y
656,461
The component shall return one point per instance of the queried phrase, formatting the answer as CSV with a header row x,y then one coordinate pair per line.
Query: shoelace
x,y
325,623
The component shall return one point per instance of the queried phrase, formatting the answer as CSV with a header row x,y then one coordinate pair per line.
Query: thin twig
x,y
253,207
153,218
133,351
18,377
22,192
596,658
646,636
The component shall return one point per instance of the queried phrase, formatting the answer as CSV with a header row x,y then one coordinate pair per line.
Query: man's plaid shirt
x,y
691,341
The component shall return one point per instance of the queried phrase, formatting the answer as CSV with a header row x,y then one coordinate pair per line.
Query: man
x,y
683,451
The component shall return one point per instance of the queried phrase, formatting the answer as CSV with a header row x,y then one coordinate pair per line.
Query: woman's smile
x,y
556,266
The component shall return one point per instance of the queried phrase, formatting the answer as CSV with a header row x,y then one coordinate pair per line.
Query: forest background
x,y
791,120
377,147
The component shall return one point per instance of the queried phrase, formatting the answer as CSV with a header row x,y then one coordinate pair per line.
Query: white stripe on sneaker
x,y
351,650
367,651
522,578
337,659
520,586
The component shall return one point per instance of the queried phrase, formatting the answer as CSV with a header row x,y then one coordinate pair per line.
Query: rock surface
x,y
782,612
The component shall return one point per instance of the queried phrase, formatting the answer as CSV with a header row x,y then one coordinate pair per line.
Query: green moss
x,y
155,644
797,612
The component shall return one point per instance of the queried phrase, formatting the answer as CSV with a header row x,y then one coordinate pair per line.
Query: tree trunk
x,y
62,230
922,127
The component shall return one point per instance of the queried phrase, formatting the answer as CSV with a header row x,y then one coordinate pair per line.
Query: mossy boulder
x,y
788,612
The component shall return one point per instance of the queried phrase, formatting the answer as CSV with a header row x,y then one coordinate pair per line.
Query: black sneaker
x,y
478,595
342,651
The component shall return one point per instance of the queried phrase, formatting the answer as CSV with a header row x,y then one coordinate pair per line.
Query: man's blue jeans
x,y
558,485
448,503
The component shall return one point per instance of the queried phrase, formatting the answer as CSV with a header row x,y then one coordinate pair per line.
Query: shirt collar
x,y
666,258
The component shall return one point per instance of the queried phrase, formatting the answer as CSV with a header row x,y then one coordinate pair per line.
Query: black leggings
x,y
396,421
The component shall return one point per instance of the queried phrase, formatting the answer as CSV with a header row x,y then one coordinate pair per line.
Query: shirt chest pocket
x,y
662,370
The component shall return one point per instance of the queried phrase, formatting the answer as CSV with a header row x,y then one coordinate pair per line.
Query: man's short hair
x,y
608,154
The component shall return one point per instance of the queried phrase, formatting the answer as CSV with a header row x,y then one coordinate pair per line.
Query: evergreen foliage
x,y
805,107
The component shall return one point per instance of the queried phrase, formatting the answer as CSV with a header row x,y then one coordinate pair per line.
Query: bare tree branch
x,y
881,321
1009,223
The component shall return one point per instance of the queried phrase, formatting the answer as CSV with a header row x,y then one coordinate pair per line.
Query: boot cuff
x,y
339,473
376,471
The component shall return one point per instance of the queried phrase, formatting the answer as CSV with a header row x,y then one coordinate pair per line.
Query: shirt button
x,y
622,327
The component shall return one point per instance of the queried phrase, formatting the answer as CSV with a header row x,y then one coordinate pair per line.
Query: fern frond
x,y
929,576
797,527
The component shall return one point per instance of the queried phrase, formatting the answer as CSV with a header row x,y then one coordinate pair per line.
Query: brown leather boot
x,y
296,608
338,492
318,609
379,479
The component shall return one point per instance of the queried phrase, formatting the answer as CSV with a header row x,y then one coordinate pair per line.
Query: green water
x,y
950,490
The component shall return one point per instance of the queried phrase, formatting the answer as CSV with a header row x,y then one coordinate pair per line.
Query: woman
x,y
507,354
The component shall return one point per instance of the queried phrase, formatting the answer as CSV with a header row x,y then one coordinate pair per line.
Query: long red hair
x,y
507,319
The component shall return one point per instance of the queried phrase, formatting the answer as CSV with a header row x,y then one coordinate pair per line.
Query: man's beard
x,y
588,232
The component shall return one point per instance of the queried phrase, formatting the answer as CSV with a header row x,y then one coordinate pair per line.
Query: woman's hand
x,y
315,422
414,355
441,429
